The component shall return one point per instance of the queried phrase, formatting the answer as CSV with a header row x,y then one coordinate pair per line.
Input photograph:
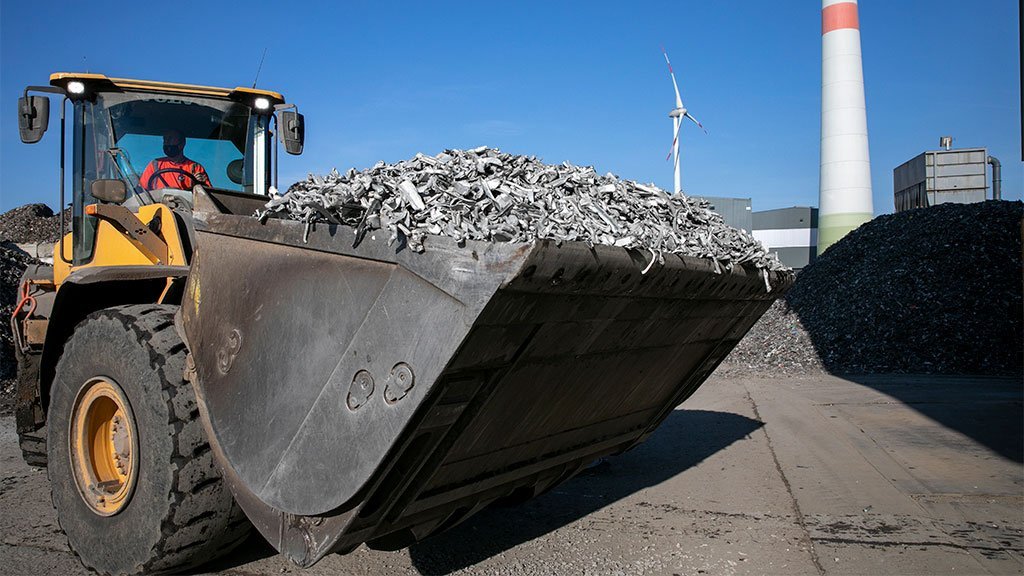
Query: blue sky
x,y
577,81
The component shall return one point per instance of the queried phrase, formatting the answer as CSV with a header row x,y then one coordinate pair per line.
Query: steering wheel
x,y
192,177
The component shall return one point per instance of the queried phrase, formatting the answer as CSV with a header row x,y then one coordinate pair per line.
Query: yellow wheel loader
x,y
188,371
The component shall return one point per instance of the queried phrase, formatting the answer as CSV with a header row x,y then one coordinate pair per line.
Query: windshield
x,y
215,131
121,135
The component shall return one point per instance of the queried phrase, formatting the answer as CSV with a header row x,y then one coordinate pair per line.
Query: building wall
x,y
940,176
735,211
797,257
791,233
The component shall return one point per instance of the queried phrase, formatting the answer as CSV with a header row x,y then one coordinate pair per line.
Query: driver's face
x,y
174,140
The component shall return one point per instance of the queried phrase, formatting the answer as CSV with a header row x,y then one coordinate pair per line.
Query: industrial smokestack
x,y
844,193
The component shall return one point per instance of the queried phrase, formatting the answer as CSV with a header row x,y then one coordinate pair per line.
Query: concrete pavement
x,y
814,475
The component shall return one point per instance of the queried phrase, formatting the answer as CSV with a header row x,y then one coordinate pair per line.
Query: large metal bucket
x,y
372,394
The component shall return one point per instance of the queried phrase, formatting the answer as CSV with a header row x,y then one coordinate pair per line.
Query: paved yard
x,y
895,475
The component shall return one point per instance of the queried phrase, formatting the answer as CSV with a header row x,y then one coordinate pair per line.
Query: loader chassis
x,y
102,398
336,392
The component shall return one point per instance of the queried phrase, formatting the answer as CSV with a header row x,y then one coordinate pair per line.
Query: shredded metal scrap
x,y
485,194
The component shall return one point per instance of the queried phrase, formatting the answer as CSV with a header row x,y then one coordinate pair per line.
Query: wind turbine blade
x,y
679,100
697,122
675,139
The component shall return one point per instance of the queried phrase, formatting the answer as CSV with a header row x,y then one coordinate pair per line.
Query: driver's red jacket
x,y
174,179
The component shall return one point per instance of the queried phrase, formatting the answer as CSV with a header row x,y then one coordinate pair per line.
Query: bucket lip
x,y
337,238
340,239
580,269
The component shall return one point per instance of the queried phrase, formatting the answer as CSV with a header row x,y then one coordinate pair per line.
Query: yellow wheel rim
x,y
104,446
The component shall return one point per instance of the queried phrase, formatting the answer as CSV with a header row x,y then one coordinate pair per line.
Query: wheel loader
x,y
187,371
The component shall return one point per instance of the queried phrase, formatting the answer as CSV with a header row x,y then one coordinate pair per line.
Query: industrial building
x,y
735,211
790,233
947,175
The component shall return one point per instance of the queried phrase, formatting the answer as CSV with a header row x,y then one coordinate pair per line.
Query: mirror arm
x,y
47,89
63,103
277,128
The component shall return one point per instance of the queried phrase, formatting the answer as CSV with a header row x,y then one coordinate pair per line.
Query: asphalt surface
x,y
810,475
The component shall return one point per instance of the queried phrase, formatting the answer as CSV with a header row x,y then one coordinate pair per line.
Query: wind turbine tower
x,y
677,114
844,200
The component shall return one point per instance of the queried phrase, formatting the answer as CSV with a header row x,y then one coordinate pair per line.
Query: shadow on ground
x,y
685,439
253,549
933,290
986,409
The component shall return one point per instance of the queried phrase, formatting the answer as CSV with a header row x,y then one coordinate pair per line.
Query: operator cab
x,y
118,129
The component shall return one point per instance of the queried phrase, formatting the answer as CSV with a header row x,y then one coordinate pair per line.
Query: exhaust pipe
x,y
997,178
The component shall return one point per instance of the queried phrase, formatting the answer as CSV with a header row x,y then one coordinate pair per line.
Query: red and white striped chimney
x,y
844,201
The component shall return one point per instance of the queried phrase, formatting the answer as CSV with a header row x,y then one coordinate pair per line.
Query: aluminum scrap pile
x,y
934,290
485,194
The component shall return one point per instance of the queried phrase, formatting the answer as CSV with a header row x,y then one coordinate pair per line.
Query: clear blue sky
x,y
580,81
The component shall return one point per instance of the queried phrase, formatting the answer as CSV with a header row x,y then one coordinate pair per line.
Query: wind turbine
x,y
677,114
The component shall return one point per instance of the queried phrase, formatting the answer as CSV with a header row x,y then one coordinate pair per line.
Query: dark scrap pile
x,y
778,345
12,263
31,223
935,290
485,194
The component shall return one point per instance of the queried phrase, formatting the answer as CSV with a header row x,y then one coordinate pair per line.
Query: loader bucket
x,y
372,394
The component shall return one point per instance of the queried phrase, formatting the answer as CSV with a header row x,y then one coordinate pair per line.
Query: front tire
x,y
131,473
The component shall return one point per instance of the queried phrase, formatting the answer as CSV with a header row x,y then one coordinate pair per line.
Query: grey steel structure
x,y
940,176
737,212
791,233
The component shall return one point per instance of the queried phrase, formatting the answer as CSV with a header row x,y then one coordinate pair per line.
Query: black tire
x,y
180,514
33,447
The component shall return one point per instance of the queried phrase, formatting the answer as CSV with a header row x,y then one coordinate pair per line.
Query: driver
x,y
174,170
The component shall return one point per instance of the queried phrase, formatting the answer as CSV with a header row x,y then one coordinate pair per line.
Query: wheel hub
x,y
104,447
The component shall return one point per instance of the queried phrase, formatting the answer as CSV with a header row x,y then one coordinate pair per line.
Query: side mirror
x,y
33,117
293,131
109,191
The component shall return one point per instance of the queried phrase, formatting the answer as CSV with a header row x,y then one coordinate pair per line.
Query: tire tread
x,y
203,520
33,447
